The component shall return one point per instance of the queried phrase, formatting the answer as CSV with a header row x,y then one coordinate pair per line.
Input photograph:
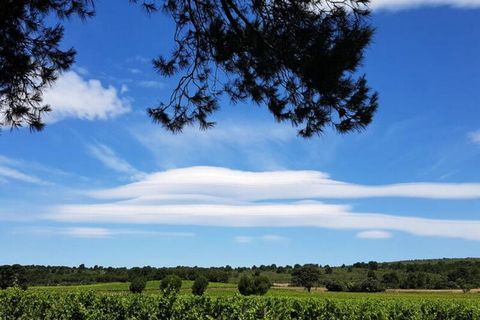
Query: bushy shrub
x,y
245,285
258,285
171,284
335,286
261,285
367,285
199,285
137,285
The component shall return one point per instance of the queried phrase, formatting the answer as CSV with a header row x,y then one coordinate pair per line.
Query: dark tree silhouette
x,y
30,56
306,276
300,58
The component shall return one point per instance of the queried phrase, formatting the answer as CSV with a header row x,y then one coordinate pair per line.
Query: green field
x,y
230,289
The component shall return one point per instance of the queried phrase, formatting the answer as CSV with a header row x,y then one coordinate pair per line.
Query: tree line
x,y
360,276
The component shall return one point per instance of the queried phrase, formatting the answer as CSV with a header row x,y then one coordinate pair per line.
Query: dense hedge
x,y
17,304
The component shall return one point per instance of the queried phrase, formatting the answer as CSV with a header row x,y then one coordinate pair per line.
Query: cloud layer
x,y
110,159
74,97
405,4
8,173
474,137
93,232
211,196
215,182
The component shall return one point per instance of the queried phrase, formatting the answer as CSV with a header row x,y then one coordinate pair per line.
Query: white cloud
x,y
259,145
264,238
135,70
74,97
81,70
124,89
405,4
243,239
151,84
110,159
272,238
8,173
374,234
92,232
210,196
265,215
474,137
270,185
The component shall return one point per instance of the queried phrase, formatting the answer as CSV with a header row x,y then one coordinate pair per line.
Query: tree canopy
x,y
299,58
306,276
30,56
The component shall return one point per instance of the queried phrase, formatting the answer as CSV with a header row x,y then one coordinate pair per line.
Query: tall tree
x,y
300,58
306,276
31,57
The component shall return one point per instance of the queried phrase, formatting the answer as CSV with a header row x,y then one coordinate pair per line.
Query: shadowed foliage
x,y
258,285
199,286
30,56
137,285
171,284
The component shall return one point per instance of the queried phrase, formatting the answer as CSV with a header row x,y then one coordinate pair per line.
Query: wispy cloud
x,y
74,97
92,232
271,185
8,173
259,145
151,84
134,70
265,215
374,234
474,137
264,238
406,4
210,196
110,159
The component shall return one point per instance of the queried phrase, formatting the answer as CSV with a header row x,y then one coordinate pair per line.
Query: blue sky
x,y
103,185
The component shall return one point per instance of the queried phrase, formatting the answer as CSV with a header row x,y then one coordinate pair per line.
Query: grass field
x,y
230,289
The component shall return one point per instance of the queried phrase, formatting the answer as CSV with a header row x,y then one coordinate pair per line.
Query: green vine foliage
x,y
19,304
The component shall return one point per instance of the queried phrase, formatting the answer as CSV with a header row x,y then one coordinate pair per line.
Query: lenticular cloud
x,y
212,196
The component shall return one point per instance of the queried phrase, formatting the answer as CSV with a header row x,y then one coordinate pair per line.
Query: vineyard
x,y
18,304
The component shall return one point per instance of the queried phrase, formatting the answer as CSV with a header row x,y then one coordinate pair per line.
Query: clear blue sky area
x,y
103,185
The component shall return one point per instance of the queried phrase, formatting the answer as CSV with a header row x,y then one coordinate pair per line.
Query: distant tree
x,y
328,269
171,284
391,279
199,285
261,285
30,56
372,265
368,285
137,285
335,286
245,285
6,277
300,59
306,276
258,285
371,274
13,276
